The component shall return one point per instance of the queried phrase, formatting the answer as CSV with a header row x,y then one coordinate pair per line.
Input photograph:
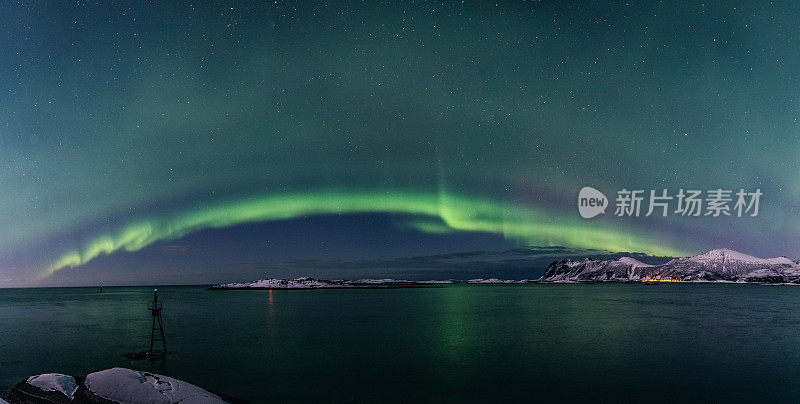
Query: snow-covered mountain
x,y
722,265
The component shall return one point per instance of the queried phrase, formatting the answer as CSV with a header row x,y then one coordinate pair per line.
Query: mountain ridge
x,y
719,265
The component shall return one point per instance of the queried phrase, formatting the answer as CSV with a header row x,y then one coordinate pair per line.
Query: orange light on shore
x,y
660,280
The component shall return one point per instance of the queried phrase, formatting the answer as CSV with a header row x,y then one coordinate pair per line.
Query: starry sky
x,y
180,142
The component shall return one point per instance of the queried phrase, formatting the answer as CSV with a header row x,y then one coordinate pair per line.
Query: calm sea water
x,y
459,343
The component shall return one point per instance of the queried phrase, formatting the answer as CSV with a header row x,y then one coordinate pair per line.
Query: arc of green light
x,y
456,213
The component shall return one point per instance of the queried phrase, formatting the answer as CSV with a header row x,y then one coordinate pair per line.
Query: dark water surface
x,y
621,342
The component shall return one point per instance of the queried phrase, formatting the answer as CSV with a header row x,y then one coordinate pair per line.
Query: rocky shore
x,y
110,386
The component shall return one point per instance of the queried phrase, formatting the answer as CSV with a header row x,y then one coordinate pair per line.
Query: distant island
x,y
721,265
312,283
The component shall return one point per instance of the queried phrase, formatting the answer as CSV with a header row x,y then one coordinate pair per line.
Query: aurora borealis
x,y
455,214
125,128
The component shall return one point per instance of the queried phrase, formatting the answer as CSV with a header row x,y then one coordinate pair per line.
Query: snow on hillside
x,y
633,262
724,254
721,265
781,261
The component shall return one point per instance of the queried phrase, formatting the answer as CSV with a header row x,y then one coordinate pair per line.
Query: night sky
x,y
172,142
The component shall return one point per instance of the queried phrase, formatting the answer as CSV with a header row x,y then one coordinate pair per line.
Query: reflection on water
x,y
452,343
271,305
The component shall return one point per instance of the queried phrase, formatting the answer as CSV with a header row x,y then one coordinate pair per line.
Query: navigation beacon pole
x,y
155,308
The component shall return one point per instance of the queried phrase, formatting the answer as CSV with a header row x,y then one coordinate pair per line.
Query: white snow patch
x,y
633,262
64,384
761,273
724,254
781,260
131,386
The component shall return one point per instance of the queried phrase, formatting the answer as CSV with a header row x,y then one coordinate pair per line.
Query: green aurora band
x,y
438,213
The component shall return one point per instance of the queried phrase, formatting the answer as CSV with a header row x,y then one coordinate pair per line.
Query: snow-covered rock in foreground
x,y
64,384
116,385
123,385
722,265
46,388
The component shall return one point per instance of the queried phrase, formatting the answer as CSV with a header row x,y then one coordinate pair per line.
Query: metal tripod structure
x,y
158,323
